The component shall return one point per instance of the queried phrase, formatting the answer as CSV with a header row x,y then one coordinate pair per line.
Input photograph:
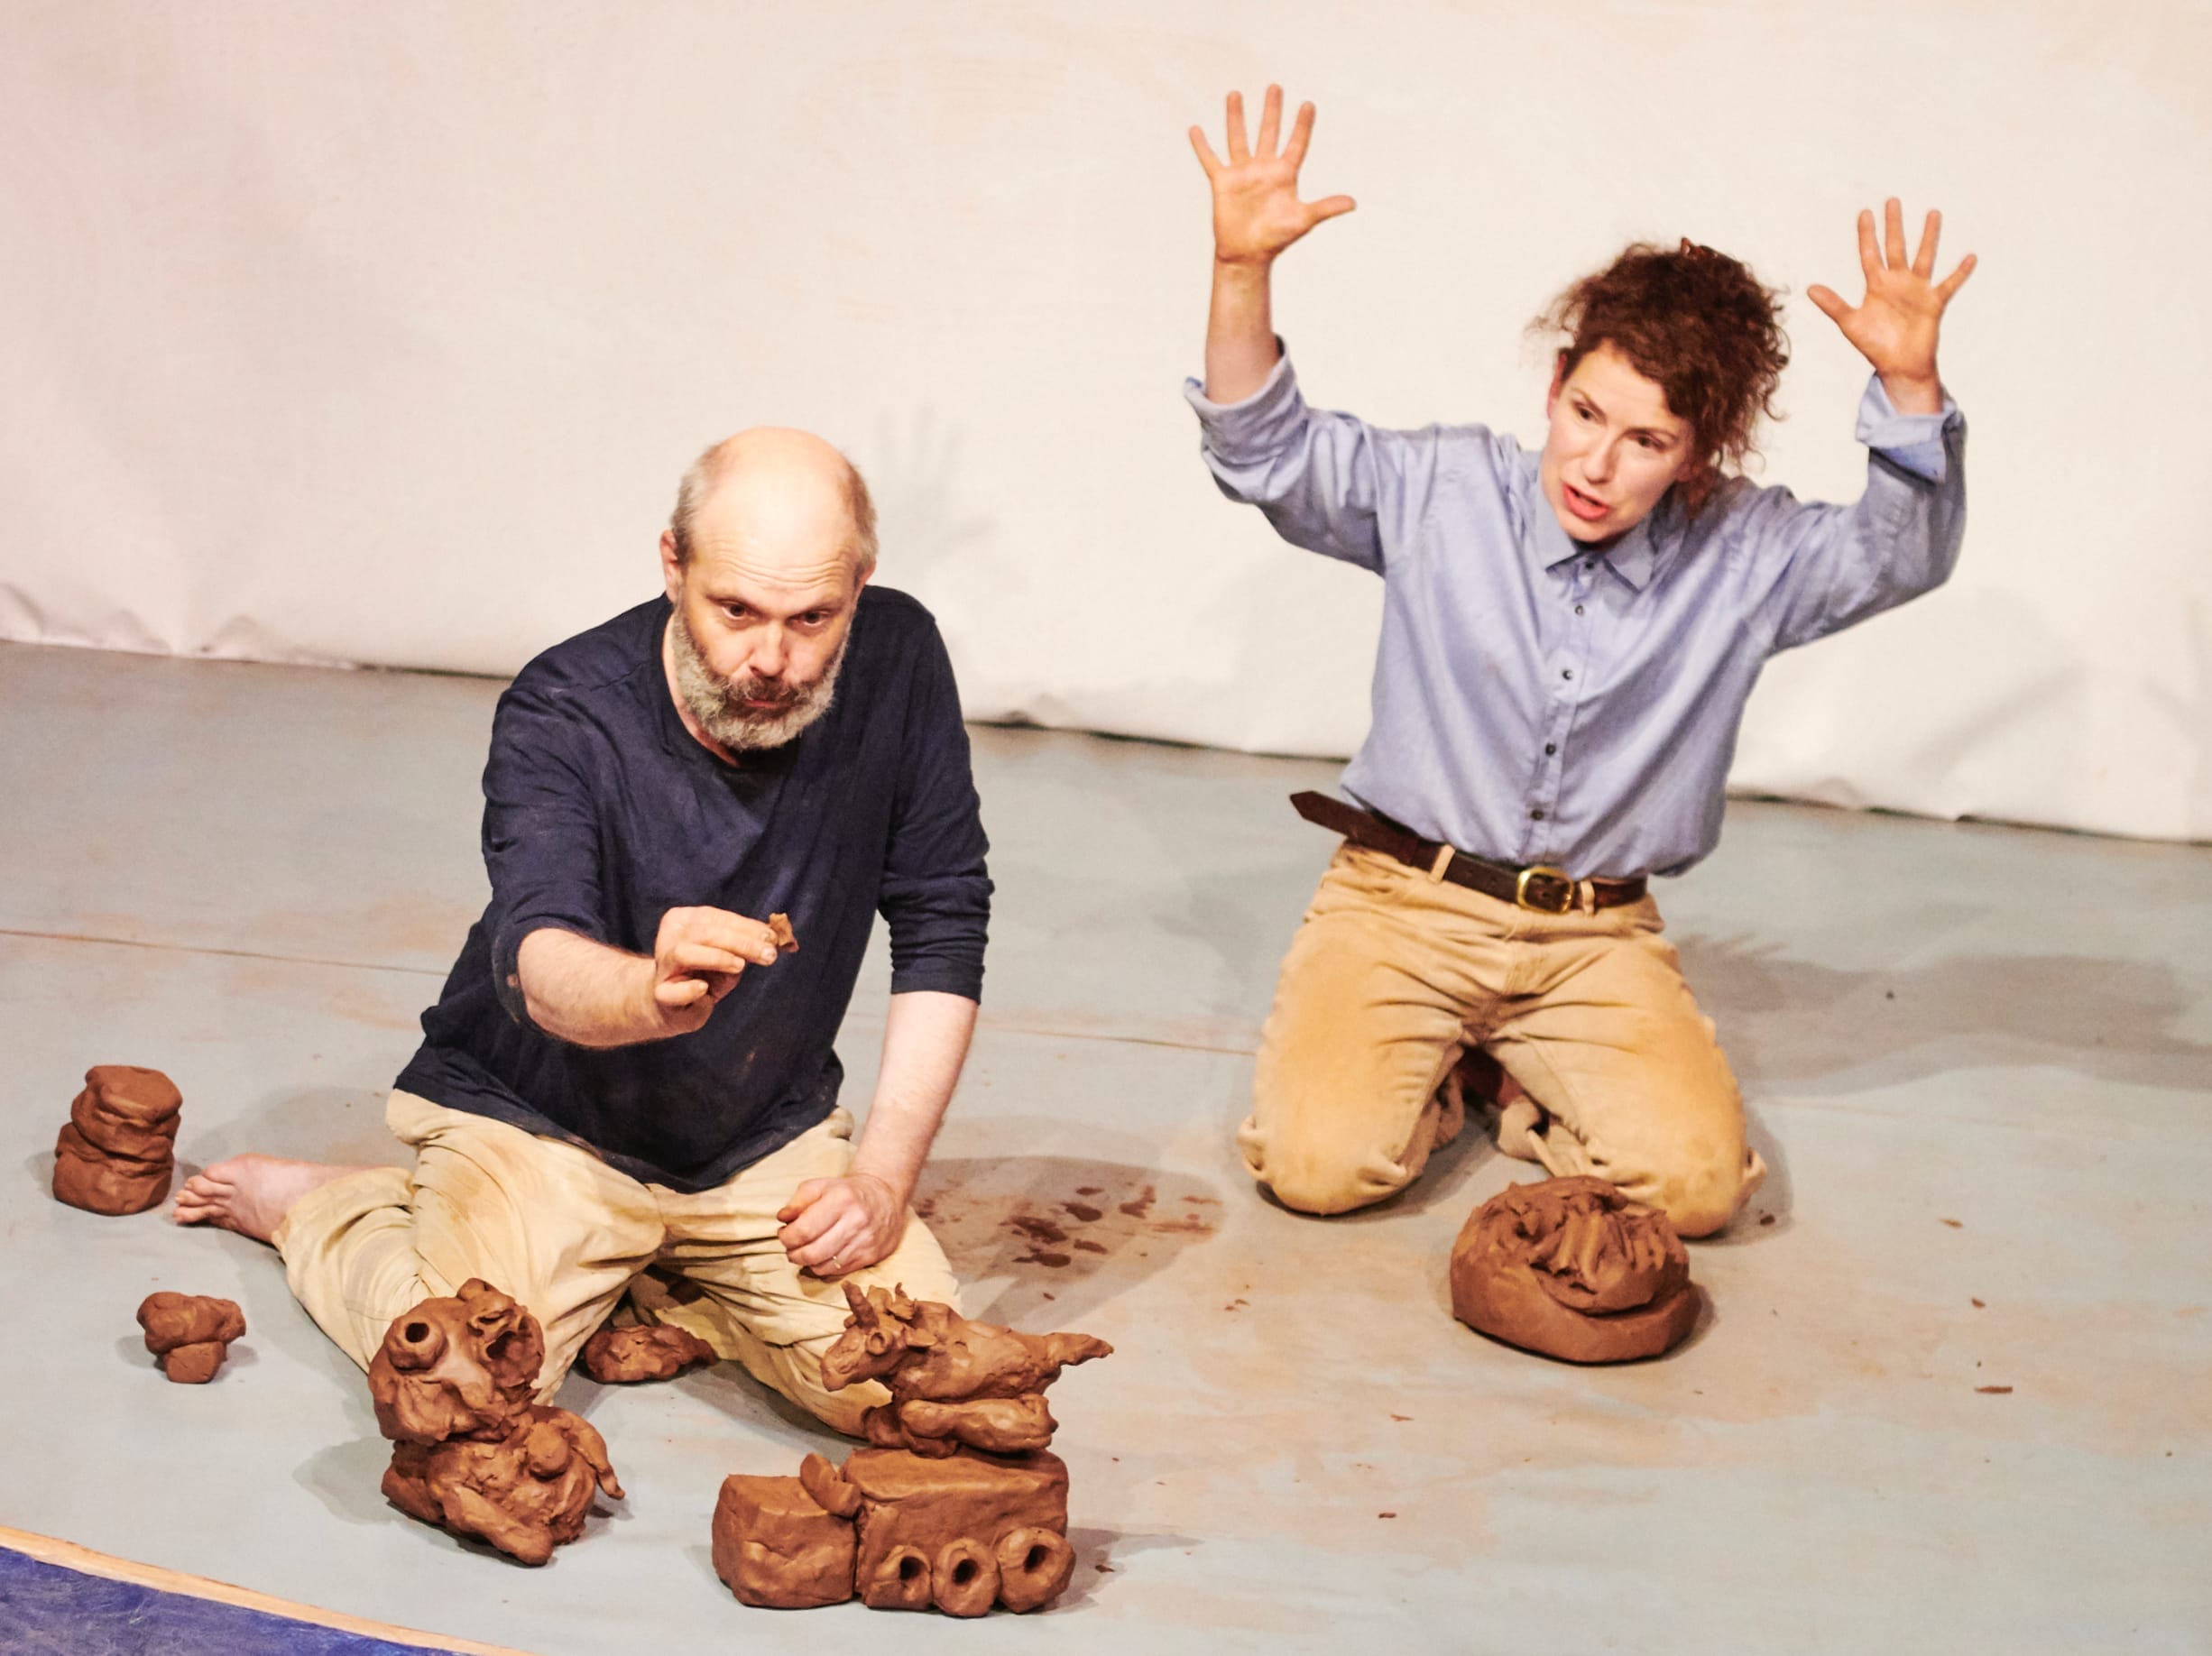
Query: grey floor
x,y
1979,1061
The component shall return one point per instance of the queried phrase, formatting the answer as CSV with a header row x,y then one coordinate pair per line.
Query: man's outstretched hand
x,y
1256,212
698,955
1895,327
832,1226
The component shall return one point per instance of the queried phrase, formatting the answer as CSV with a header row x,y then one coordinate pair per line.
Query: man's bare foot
x,y
251,1194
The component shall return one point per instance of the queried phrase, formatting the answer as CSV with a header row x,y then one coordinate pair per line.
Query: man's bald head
x,y
769,491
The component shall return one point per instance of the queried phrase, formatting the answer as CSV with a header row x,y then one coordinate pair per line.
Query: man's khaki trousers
x,y
1394,974
566,1235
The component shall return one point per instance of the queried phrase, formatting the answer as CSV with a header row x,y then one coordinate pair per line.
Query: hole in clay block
x,y
964,1572
417,1332
1036,1560
909,1567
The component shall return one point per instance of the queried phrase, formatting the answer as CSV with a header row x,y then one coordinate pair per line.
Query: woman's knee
x,y
1320,1174
1699,1194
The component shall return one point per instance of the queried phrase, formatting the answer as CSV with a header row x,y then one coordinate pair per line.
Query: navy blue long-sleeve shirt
x,y
602,812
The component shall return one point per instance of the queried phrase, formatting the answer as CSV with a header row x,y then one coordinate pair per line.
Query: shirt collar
x,y
1632,556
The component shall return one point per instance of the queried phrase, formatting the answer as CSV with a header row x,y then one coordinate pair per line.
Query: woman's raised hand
x,y
1256,212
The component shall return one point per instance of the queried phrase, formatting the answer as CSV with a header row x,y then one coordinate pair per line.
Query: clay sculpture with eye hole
x,y
958,1505
1572,1269
471,1452
623,1356
189,1333
118,1148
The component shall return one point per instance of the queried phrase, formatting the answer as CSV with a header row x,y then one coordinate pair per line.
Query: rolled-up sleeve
x,y
935,895
1329,482
541,843
1900,538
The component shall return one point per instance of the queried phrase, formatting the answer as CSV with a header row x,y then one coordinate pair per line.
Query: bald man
x,y
626,1099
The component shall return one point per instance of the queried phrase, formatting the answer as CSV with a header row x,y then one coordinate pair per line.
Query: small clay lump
x,y
189,1333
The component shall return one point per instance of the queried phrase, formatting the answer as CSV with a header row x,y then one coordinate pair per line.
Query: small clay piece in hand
x,y
1572,1269
118,1148
189,1333
780,928
452,1385
619,1356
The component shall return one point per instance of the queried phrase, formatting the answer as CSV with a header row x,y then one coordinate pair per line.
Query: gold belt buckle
x,y
1544,871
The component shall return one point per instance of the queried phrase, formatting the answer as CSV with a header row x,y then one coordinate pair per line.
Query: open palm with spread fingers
x,y
1895,327
1256,212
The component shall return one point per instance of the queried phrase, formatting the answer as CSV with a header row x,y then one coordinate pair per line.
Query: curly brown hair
x,y
1697,323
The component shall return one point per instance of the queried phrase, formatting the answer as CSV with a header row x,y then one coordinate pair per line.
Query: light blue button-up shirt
x,y
1536,701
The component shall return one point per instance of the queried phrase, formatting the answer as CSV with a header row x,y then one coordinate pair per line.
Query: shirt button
x,y
1566,672
1578,609
1536,816
1551,747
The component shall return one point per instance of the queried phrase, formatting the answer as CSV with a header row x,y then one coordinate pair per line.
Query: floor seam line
x,y
241,954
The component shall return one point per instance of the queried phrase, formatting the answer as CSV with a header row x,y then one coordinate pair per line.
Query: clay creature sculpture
x,y
952,1381
780,928
118,1148
621,1357
189,1333
1572,1269
960,1506
471,1452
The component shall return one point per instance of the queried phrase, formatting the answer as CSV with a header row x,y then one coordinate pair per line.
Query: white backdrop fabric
x,y
380,333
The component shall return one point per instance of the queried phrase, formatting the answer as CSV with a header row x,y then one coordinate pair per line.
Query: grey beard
x,y
718,704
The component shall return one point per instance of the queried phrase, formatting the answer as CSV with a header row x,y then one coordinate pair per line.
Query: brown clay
x,y
452,1385
780,928
118,1151
189,1333
952,1514
958,1506
978,1384
777,1547
526,1494
621,1357
1573,1269
459,1368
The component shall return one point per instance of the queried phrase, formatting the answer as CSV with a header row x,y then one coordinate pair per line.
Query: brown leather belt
x,y
1546,890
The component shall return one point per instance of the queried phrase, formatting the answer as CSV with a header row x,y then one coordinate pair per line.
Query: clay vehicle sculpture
x,y
958,1505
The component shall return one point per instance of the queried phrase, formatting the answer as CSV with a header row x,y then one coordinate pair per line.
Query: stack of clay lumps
x,y
118,1148
1573,1269
471,1453
959,1505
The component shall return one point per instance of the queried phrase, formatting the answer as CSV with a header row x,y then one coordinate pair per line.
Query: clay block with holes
x,y
961,1532
776,1548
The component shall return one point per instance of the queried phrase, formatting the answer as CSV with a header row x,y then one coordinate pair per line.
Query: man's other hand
x,y
832,1226
698,956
